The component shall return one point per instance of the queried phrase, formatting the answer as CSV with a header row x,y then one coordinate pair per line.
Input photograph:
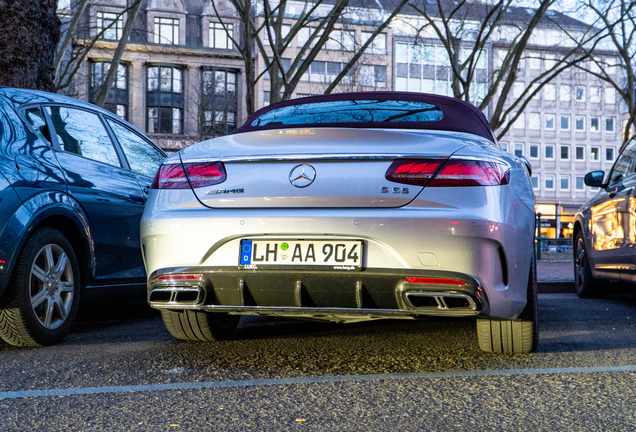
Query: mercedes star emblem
x,y
302,175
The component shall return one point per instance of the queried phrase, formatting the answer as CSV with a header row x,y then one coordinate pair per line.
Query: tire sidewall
x,y
39,333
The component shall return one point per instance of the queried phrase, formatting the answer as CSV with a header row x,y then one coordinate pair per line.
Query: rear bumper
x,y
329,295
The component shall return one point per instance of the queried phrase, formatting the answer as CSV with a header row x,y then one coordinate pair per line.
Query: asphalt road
x,y
120,370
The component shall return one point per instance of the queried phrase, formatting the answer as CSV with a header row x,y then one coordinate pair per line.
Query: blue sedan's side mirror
x,y
594,178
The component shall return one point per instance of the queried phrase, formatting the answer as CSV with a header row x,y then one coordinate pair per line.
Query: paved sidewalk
x,y
555,276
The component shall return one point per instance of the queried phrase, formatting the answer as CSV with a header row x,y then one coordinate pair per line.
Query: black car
x,y
605,228
73,184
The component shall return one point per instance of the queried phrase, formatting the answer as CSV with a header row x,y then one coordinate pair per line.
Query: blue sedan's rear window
x,y
351,111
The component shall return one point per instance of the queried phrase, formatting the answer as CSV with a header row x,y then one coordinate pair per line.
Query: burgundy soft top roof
x,y
459,116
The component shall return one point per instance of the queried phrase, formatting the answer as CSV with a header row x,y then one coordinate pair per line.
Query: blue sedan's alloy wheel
x,y
42,298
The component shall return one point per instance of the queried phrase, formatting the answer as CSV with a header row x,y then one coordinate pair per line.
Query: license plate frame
x,y
290,254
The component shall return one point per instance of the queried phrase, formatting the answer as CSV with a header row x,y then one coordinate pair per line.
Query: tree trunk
x,y
29,33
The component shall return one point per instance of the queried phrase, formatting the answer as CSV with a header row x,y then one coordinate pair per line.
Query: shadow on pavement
x,y
113,305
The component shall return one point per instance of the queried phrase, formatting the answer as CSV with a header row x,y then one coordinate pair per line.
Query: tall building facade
x,y
180,78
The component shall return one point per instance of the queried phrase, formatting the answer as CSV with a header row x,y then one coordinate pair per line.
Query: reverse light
x,y
180,277
434,281
196,174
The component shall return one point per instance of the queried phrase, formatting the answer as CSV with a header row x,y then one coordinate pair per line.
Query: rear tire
x,y
41,301
587,286
513,336
200,326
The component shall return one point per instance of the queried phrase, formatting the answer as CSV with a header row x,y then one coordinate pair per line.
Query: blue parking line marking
x,y
308,380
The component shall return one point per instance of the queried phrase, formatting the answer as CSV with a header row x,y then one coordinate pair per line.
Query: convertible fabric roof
x,y
459,116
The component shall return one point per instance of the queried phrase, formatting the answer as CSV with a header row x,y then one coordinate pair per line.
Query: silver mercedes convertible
x,y
346,208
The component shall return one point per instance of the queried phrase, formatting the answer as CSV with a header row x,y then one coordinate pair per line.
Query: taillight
x,y
205,174
199,174
413,171
170,177
457,172
454,172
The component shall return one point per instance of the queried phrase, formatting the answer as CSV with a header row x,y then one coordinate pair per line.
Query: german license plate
x,y
338,254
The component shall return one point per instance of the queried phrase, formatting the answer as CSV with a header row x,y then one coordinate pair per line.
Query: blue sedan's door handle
x,y
146,190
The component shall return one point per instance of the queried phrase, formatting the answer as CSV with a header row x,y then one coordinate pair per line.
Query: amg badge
x,y
224,191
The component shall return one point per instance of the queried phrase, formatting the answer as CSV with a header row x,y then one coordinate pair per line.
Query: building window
x,y
534,61
117,100
517,89
565,152
549,182
579,93
549,92
609,124
565,93
595,154
520,122
111,24
378,46
341,40
549,121
266,98
535,181
373,76
534,121
565,122
519,149
534,151
219,36
426,68
549,151
595,124
610,96
580,153
220,102
504,146
167,31
609,154
284,31
565,183
580,184
164,100
595,94
579,123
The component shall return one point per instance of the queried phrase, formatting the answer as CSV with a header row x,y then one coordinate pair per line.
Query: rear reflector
x,y
198,175
454,172
434,281
180,277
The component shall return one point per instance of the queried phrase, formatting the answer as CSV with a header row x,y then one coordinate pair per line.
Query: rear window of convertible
x,y
351,111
